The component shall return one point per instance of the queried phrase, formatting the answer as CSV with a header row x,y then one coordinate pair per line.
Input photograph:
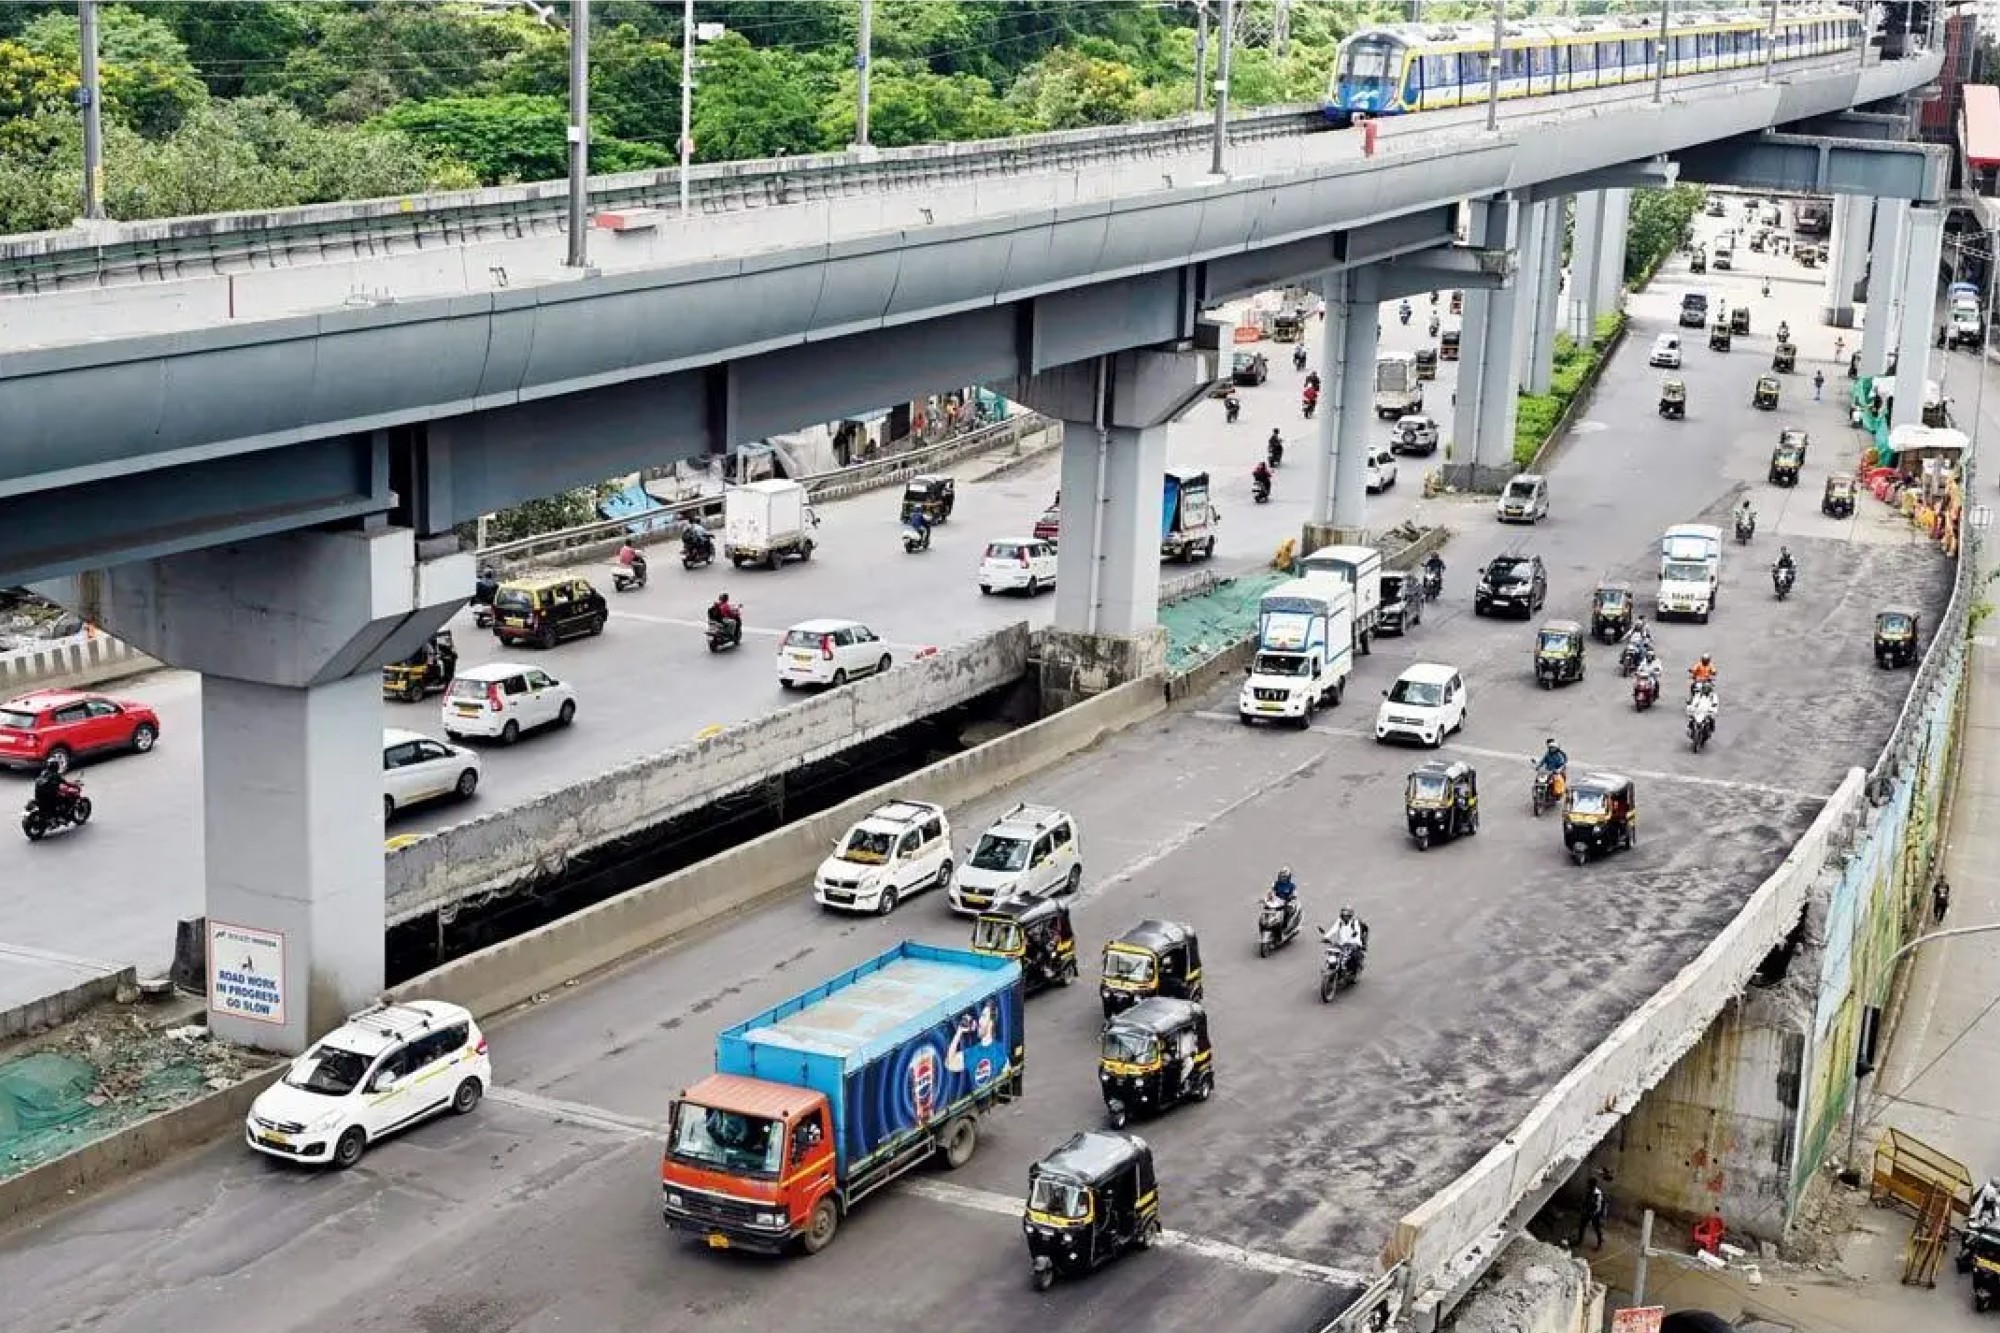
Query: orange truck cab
x,y
822,1100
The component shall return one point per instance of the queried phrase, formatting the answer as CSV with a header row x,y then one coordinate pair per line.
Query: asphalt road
x,y
649,683
1496,965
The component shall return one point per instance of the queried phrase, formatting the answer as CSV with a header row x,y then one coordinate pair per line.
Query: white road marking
x,y
1239,1256
562,1112
1650,775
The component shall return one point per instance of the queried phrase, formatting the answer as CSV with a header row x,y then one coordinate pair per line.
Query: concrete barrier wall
x,y
82,658
506,974
1459,1228
498,850
48,1011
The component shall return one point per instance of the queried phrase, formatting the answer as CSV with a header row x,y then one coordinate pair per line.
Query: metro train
x,y
1404,68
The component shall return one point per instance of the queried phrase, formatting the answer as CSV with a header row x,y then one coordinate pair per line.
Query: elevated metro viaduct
x,y
272,503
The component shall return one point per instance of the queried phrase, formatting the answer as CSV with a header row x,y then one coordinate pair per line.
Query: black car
x,y
1694,310
1402,601
1513,584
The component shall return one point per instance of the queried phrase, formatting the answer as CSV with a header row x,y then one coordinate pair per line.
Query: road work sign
x,y
246,972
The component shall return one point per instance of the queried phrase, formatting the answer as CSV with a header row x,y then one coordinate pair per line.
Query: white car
x,y
1031,850
416,769
500,700
382,1071
1415,434
1426,704
1666,352
900,849
1381,468
1023,564
830,652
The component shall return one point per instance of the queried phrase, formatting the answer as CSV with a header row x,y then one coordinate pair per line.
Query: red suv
x,y
64,725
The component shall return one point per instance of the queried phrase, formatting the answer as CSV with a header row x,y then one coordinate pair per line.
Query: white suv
x,y
1427,703
830,652
1031,850
900,849
383,1071
1026,564
500,700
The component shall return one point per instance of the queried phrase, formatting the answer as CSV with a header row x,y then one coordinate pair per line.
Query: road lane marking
x,y
1650,775
562,1112
1239,1256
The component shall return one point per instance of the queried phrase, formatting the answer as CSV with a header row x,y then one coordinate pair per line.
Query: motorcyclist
x,y
695,537
1700,674
1274,448
1434,574
1648,670
1299,357
632,558
1350,931
1260,478
726,615
1785,561
1746,514
1309,400
1784,331
1984,1213
918,522
1232,406
1554,763
1312,380
1640,636
1434,325
52,791
1403,312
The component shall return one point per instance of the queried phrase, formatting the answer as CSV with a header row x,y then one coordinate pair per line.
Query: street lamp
x,y
1660,62
1493,66
691,32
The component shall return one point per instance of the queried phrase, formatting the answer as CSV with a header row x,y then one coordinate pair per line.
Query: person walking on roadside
x,y
1940,900
1819,382
1595,1206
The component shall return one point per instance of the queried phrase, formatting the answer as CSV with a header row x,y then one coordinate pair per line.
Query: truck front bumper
x,y
1290,708
726,1234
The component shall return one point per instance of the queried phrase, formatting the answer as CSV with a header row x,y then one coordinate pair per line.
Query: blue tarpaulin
x,y
633,503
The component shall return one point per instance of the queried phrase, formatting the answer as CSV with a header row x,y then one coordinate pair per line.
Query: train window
x,y
1545,62
1585,55
1635,55
1413,88
1440,72
1705,44
1608,56
1472,68
1513,64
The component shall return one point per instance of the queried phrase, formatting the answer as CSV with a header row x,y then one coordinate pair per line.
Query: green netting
x,y
39,1092
51,1104
1203,626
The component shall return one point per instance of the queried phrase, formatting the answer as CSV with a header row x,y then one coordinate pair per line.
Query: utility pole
x,y
1493,66
1645,1253
1660,62
1200,54
863,45
1771,44
1281,27
1218,162
687,98
89,99
579,133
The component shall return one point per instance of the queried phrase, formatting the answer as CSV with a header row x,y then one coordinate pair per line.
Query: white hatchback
x,y
1018,564
1427,703
1381,468
830,652
901,848
416,769
500,700
382,1071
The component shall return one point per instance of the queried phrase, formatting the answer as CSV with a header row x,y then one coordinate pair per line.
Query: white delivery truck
x,y
1360,568
1968,326
1304,652
1690,571
1398,391
766,522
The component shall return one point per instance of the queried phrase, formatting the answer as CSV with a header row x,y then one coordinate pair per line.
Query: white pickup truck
x,y
1690,571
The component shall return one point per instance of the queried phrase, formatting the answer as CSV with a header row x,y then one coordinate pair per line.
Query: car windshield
x,y
1129,1047
1427,787
1279,664
998,851
512,599
328,1070
1058,1198
1589,802
1422,693
1128,965
1520,490
12,720
727,1140
996,934
1684,571
1508,571
868,847
1554,641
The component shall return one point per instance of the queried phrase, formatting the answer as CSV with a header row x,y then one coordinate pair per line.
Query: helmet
x,y
1284,872
54,765
1552,744
1705,661
1347,914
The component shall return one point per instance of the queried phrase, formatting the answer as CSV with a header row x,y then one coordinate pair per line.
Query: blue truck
x,y
820,1101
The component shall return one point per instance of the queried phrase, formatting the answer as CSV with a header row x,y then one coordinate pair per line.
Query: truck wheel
x,y
961,1140
821,1227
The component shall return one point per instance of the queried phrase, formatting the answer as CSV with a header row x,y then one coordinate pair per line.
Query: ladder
x,y
1928,1239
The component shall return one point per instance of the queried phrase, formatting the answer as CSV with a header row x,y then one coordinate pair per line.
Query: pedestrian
x,y
1839,350
1940,900
1595,1206
1819,382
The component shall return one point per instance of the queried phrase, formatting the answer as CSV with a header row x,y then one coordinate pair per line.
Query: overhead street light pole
x,y
1660,59
1218,161
579,134
864,44
1493,65
90,98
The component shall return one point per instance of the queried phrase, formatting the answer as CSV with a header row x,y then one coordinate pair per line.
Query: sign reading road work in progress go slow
x,y
1643,1320
246,973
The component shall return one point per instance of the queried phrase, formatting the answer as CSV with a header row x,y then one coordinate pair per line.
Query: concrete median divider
x,y
90,658
509,973
501,850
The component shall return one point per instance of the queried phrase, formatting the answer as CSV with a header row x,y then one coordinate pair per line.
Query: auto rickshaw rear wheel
x,y
1206,1088
1043,1277
1149,1234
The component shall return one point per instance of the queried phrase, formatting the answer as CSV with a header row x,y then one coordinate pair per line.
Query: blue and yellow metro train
x,y
1396,70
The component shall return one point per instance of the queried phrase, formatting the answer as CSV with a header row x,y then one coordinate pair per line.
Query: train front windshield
x,y
1368,69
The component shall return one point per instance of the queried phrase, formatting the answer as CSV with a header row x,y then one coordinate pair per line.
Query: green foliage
x,y
1067,90
907,104
149,81
759,102
1538,414
1660,219
510,137
554,513
357,61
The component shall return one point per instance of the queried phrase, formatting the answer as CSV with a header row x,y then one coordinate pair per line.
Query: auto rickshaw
x,y
1838,499
1287,326
1673,398
1979,1255
1600,814
1765,396
1441,802
1458,303
1559,653
1448,345
1034,932
1808,255
1786,460
1895,636
1698,261
933,495
426,671
1611,611
1427,363
1739,320
1718,336
1152,958
1757,241
1785,358
1153,1057
1088,1202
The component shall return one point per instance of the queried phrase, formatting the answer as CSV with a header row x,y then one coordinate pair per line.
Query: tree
x,y
910,105
32,83
759,103
1066,91
1659,219
231,42
511,137
149,82
356,63
554,513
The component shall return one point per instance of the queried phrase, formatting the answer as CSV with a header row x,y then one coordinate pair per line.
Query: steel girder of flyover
x,y
1654,174
1808,164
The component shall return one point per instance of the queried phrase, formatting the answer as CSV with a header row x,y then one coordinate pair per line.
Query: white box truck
x,y
1398,391
1690,571
1304,652
766,522
1360,568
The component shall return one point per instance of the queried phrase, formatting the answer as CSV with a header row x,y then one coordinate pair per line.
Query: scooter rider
x,y
632,559
1260,478
1299,357
1746,514
1232,406
1274,448
919,523
1554,763
1785,562
1640,637
1648,670
725,615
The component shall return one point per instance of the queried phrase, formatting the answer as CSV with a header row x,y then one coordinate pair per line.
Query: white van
x,y
1690,571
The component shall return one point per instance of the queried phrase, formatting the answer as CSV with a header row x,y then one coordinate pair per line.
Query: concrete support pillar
x,y
1493,450
1885,268
1346,421
1483,435
1918,331
1533,220
1473,372
1548,301
1108,580
1847,257
289,633
1611,252
1587,244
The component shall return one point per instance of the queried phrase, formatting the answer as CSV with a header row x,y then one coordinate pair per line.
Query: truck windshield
x,y
1130,1048
1058,1198
999,852
1279,664
1421,693
728,1140
868,847
1682,571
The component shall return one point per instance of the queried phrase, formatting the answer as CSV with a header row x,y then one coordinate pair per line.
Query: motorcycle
x,y
915,540
1433,583
627,578
1231,409
1434,326
697,550
74,812
1629,658
1746,527
1403,312
1645,693
1277,924
1309,403
1274,454
1339,968
1545,796
1781,582
1299,357
1701,726
725,633
1260,490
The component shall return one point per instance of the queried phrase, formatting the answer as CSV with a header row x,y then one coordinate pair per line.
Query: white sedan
x,y
1666,352
830,652
416,769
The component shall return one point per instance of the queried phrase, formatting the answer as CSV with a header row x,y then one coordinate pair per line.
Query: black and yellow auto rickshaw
x,y
1600,814
1448,345
1153,1057
1807,255
933,495
1718,336
1979,1255
1611,606
1152,958
1757,241
1034,932
1427,363
1786,460
1895,636
1698,261
1739,321
1288,326
1441,802
426,671
1784,358
1559,653
1837,501
1088,1202
1765,396
1673,398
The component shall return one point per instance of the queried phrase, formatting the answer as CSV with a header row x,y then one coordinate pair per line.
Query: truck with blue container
x,y
1187,520
820,1101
